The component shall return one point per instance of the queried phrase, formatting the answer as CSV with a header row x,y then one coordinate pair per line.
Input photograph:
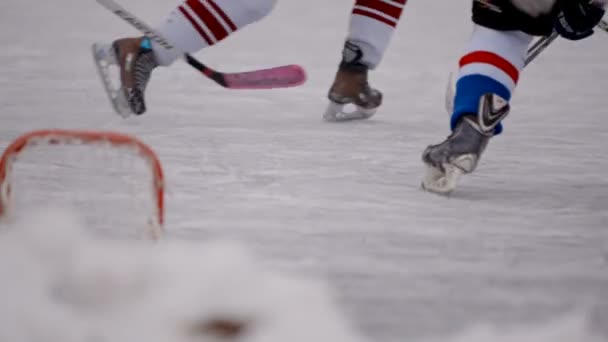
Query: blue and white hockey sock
x,y
491,64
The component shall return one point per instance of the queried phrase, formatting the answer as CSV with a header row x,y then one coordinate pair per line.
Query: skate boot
x,y
135,60
351,89
460,153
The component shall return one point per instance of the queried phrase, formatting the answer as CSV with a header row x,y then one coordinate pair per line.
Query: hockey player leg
x,y
194,25
372,24
488,74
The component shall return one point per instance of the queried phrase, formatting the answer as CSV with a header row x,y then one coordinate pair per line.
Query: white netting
x,y
110,184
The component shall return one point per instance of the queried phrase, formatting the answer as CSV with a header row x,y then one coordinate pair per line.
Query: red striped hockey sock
x,y
197,24
372,24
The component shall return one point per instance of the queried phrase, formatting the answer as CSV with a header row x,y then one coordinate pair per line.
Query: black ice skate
x,y
461,151
351,89
135,60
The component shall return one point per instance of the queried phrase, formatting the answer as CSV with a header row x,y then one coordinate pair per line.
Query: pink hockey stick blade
x,y
277,77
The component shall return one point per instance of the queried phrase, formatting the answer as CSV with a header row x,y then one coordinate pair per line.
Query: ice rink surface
x,y
522,241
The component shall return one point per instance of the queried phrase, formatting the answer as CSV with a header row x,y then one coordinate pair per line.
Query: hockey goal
x,y
113,181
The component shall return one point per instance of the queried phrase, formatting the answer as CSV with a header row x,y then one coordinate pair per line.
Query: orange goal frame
x,y
85,137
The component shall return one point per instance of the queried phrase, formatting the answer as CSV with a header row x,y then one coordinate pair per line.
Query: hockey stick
x,y
543,42
539,46
277,77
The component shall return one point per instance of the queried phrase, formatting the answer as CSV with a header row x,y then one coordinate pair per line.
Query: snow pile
x,y
60,285
571,328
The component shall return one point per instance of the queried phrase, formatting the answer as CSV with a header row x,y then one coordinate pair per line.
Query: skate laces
x,y
142,67
144,64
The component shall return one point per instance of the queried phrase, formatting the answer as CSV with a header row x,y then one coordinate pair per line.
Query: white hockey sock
x,y
497,55
372,24
197,24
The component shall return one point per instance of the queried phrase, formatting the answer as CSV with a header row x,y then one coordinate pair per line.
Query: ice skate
x,y
135,61
350,96
459,154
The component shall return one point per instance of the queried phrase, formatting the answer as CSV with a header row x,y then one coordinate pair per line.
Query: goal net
x,y
113,181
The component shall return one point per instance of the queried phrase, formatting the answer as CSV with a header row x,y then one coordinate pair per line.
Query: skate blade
x,y
104,57
441,182
336,112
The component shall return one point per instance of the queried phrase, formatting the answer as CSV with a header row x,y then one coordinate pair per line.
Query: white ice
x,y
520,243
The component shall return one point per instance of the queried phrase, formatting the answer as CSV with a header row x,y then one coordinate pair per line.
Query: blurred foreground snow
x,y
60,284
